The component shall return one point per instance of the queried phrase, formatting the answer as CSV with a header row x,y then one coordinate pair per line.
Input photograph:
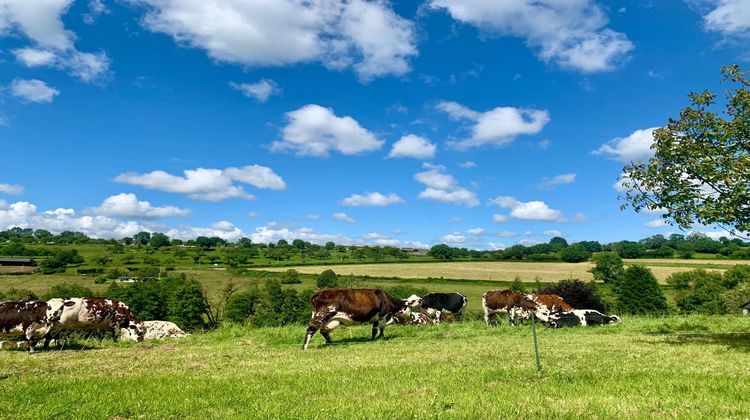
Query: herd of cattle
x,y
335,307
35,319
331,308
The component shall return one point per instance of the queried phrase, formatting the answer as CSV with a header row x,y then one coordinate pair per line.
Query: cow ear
x,y
69,303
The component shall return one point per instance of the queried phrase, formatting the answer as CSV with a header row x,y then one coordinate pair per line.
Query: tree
x,y
637,292
699,291
558,242
330,245
327,280
700,172
575,253
607,266
441,252
578,293
159,240
628,249
290,276
67,290
142,238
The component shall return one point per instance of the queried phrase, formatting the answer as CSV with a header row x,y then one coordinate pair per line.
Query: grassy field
x,y
670,367
497,270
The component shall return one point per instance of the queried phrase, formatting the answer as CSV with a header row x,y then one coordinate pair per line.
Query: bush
x,y
628,249
240,306
328,280
575,253
735,298
518,285
608,266
278,306
542,257
699,291
18,294
578,293
290,276
637,292
67,290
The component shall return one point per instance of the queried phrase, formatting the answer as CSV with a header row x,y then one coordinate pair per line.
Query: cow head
x,y
135,331
413,301
614,319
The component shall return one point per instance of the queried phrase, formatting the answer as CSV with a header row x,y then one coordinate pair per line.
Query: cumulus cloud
x,y
412,146
657,223
443,187
729,17
10,189
96,9
223,229
496,127
51,43
572,34
372,199
208,184
33,90
475,231
455,239
260,90
496,246
530,210
128,206
385,240
316,131
467,165
635,147
499,218
343,217
529,242
558,180
367,36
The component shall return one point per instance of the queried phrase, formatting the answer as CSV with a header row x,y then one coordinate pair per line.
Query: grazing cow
x,y
96,314
582,317
334,307
156,330
438,303
26,317
507,301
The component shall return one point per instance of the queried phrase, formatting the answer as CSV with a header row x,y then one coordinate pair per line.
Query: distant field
x,y
490,270
678,367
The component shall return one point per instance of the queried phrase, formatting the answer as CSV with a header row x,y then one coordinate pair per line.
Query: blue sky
x,y
474,122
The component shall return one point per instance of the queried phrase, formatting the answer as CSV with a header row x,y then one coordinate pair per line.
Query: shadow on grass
x,y
735,341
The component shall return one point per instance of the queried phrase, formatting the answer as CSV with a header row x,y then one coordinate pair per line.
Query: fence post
x,y
536,345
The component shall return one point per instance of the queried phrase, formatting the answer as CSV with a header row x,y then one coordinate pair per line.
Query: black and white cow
x,y
580,317
25,318
437,304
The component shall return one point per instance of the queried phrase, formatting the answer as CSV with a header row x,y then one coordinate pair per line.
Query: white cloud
x,y
656,223
635,147
316,131
558,180
343,217
505,234
96,9
367,36
499,218
529,242
33,90
260,91
497,127
552,233
127,205
496,246
467,165
272,232
52,44
10,189
412,146
223,229
373,199
208,184
729,17
443,187
573,34
384,240
455,239
530,210
475,231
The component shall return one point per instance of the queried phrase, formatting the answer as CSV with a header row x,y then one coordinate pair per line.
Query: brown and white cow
x,y
334,307
546,304
93,313
506,301
26,317
156,330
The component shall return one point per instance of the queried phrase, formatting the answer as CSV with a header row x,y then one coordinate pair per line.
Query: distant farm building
x,y
17,262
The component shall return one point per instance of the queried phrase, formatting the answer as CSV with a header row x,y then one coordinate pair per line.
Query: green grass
x,y
674,367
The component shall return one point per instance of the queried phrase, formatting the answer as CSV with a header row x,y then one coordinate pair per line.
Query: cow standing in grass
x,y
100,314
580,317
26,317
334,307
510,302
437,304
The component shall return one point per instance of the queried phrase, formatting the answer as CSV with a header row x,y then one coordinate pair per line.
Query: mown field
x,y
504,270
670,367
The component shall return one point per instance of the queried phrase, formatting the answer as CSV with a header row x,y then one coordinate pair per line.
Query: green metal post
x,y
536,345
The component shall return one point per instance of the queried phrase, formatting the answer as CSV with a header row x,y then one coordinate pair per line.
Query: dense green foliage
x,y
712,293
637,292
67,290
607,267
328,280
579,294
701,169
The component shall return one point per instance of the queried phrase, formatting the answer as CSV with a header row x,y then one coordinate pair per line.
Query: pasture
x,y
674,367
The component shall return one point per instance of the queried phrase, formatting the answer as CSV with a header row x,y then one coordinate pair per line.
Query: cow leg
x,y
316,322
437,316
374,330
326,329
29,336
114,333
381,327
